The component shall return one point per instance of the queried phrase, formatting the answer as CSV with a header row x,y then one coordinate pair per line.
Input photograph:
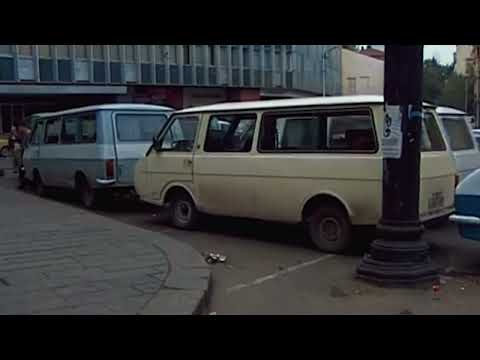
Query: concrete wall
x,y
361,75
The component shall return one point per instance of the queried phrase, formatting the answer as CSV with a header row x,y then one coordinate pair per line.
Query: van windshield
x,y
139,127
458,134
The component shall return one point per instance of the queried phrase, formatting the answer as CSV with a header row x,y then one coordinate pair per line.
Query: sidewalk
x,y
57,259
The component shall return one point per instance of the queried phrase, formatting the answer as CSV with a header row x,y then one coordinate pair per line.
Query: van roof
x,y
298,102
444,110
107,107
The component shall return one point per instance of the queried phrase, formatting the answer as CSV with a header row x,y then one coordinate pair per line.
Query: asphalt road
x,y
271,268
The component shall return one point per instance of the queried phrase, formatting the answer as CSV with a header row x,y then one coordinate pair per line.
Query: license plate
x,y
436,201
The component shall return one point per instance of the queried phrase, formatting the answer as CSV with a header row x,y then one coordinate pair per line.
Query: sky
x,y
443,53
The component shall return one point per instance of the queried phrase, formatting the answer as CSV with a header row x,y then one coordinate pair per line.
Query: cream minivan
x,y
312,160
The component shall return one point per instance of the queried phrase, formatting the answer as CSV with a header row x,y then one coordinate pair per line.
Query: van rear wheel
x,y
330,229
88,196
183,212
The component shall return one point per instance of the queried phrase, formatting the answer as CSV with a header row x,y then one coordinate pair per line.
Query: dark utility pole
x,y
400,256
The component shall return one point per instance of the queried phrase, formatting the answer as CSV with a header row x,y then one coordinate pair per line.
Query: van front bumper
x,y
464,220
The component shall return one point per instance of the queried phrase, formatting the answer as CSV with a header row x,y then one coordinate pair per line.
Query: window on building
x,y
211,55
98,52
364,84
352,85
161,52
187,56
139,127
246,57
235,55
115,53
52,130
325,132
199,55
230,133
181,134
268,58
81,51
173,54
25,50
63,51
130,53
431,136
223,55
278,60
257,59
6,49
145,54
458,133
45,51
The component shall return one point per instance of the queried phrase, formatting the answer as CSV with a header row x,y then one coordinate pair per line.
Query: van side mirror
x,y
157,145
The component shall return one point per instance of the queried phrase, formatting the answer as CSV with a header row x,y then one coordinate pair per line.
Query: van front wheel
x,y
183,212
330,229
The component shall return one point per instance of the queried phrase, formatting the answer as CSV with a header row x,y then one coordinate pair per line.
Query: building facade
x,y
463,56
361,74
42,78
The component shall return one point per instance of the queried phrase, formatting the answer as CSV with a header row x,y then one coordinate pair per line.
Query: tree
x,y
433,80
453,93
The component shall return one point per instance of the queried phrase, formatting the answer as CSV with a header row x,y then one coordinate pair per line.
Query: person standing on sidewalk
x,y
15,147
23,134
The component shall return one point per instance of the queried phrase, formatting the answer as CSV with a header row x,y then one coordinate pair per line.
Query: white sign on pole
x,y
392,133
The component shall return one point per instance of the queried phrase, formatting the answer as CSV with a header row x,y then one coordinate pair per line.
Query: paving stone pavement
x,y
58,259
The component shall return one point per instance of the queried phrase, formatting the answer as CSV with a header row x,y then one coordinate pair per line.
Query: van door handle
x,y
188,162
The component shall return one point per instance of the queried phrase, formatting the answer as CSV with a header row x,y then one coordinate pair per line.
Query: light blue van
x,y
91,149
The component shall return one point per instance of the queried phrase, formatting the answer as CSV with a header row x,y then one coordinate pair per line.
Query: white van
x,y
460,139
91,149
312,160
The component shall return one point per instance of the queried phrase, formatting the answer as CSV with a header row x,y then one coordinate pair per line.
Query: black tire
x,y
330,229
88,196
183,212
38,186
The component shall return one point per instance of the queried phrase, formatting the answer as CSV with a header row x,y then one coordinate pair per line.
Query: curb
x,y
187,289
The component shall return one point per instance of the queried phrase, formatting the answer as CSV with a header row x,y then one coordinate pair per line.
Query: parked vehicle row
x,y
315,161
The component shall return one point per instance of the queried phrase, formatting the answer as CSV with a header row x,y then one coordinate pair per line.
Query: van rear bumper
x,y
105,181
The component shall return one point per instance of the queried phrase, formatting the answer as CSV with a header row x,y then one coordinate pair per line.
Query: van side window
x,y
36,137
52,131
88,128
351,132
316,131
180,135
458,133
70,130
432,139
230,133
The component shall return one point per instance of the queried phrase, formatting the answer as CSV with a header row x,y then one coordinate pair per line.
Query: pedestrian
x,y
23,134
15,147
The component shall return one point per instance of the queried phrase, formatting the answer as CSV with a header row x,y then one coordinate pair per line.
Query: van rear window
x,y
139,127
432,139
458,134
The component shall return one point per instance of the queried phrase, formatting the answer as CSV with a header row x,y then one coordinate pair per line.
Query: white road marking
x,y
279,273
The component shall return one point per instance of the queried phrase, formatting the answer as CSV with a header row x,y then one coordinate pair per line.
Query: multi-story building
x,y
42,78
361,74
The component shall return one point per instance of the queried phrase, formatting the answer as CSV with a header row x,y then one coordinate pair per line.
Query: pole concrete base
x,y
398,263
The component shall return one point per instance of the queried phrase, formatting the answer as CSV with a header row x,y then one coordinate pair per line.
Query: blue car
x,y
467,207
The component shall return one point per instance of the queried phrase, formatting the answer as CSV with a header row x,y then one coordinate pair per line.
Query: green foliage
x,y
442,86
